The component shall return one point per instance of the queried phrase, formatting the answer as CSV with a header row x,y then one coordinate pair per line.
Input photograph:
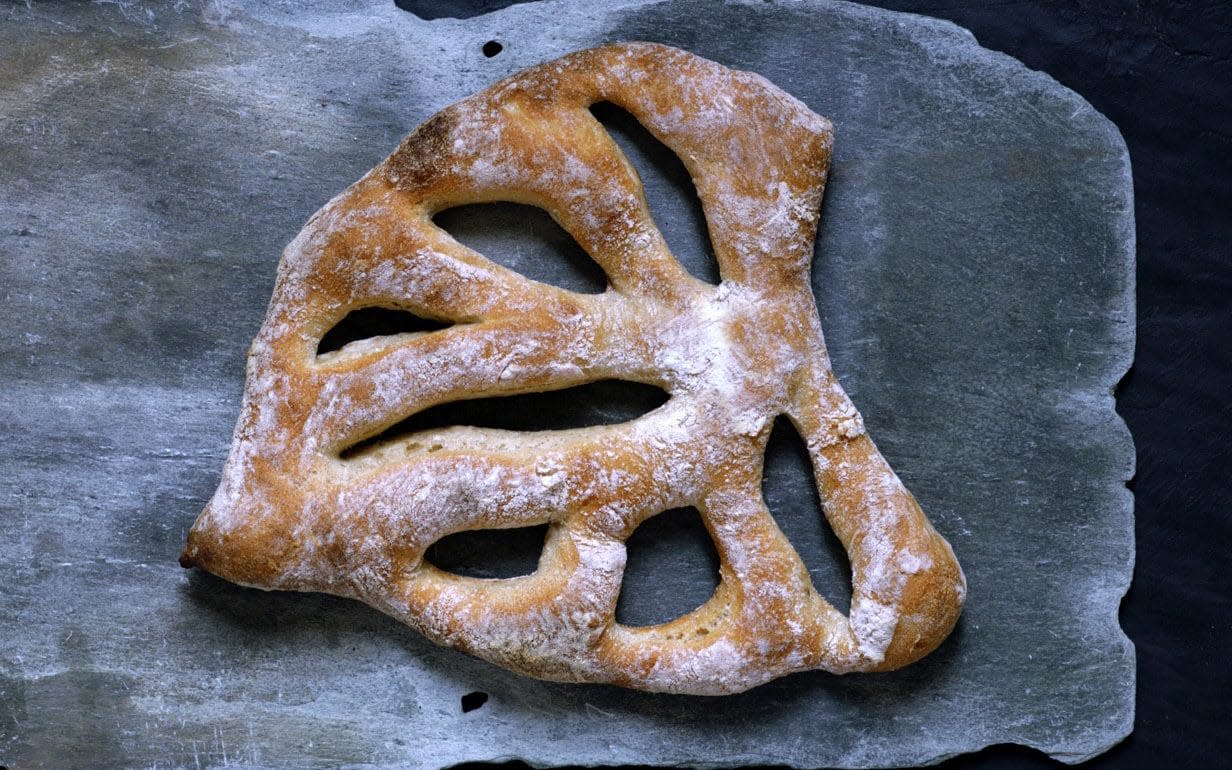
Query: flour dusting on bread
x,y
309,500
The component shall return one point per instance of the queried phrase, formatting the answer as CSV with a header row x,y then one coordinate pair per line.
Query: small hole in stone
x,y
473,700
492,48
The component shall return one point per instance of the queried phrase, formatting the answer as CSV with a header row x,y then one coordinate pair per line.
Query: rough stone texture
x,y
975,276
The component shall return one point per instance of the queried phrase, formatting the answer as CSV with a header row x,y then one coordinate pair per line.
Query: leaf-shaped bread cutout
x,y
291,514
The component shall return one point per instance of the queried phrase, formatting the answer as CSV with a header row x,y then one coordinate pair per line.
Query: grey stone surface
x,y
975,276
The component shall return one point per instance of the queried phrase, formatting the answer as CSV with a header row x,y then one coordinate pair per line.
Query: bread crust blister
x,y
292,513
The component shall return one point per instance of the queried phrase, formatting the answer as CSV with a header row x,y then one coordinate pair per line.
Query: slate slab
x,y
975,276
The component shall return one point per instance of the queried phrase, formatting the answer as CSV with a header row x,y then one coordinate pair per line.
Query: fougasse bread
x,y
296,511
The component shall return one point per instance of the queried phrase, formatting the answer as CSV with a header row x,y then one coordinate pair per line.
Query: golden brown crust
x,y
290,513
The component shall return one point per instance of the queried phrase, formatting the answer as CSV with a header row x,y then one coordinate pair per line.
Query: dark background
x,y
1162,71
